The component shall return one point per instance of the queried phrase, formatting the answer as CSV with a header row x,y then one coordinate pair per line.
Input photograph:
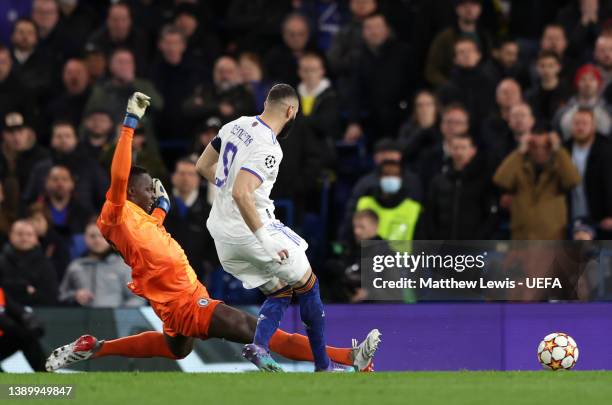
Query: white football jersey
x,y
246,144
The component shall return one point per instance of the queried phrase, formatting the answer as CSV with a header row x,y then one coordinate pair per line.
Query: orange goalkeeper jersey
x,y
160,269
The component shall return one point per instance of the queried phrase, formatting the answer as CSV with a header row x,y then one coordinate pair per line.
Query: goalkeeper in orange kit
x,y
132,221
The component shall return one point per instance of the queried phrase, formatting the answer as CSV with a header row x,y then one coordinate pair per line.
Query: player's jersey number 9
x,y
230,149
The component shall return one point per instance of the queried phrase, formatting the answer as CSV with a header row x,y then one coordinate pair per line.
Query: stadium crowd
x,y
437,119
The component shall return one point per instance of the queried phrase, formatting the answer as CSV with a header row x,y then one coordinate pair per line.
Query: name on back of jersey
x,y
242,134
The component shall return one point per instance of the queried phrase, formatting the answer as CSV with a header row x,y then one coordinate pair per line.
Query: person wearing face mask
x,y
384,150
461,202
398,214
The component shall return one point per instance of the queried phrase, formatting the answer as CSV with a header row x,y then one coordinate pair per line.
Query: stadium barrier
x,y
427,336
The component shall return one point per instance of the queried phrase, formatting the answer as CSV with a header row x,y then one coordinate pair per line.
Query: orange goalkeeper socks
x,y
296,347
153,344
146,344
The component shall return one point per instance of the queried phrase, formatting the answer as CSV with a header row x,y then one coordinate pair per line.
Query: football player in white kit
x,y
243,161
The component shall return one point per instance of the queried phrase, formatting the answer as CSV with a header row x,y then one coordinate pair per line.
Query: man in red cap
x,y
588,84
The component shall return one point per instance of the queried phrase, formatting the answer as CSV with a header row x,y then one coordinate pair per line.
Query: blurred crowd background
x,y
420,119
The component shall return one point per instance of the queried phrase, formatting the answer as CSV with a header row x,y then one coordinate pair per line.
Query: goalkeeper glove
x,y
136,107
162,200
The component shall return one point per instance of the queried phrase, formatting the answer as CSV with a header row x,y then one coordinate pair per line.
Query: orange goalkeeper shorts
x,y
189,315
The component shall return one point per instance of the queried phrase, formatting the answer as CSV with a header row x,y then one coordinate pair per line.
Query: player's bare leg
x,y
179,345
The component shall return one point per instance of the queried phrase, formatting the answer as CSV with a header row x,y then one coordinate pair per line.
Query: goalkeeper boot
x,y
81,349
363,353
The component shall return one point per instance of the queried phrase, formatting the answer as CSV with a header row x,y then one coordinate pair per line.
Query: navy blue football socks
x,y
270,315
313,317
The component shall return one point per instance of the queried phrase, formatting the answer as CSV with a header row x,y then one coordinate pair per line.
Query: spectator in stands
x,y
435,159
461,204
205,133
113,93
603,61
282,61
549,93
302,159
10,11
97,133
538,174
591,153
420,131
79,19
68,216
145,153
498,145
344,51
505,63
25,273
119,32
96,62
20,153
254,24
325,18
442,53
252,74
582,21
588,84
31,63
319,105
99,279
227,98
468,83
14,95
54,246
6,217
383,78
507,95
21,331
46,16
70,103
398,214
554,39
603,58
91,182
203,46
174,76
184,221
385,150
342,278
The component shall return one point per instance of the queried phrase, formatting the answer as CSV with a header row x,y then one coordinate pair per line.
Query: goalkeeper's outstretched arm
x,y
122,159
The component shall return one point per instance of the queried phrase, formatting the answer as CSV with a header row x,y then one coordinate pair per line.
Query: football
x,y
558,351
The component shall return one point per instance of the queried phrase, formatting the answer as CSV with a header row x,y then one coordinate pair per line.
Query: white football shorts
x,y
251,264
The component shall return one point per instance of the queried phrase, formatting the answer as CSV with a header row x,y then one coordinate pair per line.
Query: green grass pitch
x,y
422,388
